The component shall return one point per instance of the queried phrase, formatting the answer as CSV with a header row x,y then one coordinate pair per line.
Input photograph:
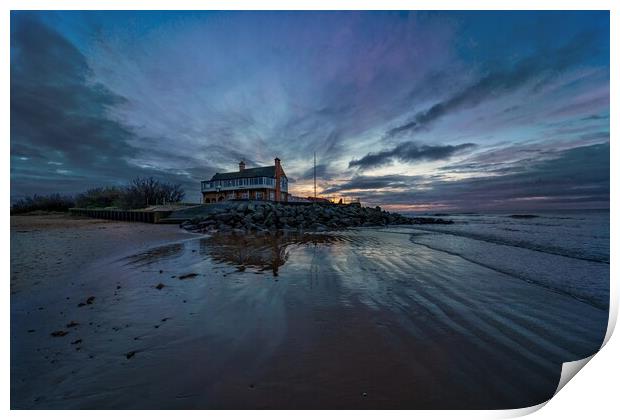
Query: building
x,y
264,183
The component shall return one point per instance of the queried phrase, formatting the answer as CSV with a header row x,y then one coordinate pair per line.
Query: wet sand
x,y
356,319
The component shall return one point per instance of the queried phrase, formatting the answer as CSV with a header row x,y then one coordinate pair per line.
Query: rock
x,y
264,217
90,300
59,333
222,217
72,324
130,354
160,286
187,276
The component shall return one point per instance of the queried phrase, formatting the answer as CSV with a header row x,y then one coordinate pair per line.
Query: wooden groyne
x,y
123,215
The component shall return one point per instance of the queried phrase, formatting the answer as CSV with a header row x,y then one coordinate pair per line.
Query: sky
x,y
417,111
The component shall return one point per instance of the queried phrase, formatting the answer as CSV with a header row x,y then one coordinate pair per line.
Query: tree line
x,y
139,193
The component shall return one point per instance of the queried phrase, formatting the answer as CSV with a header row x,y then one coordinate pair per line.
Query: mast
x,y
315,176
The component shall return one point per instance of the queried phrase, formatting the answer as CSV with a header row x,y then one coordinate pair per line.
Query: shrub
x,y
144,192
100,197
140,193
52,202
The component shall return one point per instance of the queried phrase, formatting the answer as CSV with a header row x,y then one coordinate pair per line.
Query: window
x,y
245,195
272,195
259,195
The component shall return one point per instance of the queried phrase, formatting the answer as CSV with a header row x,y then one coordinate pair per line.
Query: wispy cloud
x,y
577,177
375,183
442,99
409,152
536,70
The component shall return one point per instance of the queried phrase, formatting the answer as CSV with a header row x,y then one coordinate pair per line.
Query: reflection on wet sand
x,y
156,254
365,319
266,252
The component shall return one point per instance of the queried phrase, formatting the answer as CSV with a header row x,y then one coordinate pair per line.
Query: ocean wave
x,y
582,279
576,253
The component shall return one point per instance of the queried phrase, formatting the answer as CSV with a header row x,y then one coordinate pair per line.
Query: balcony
x,y
241,184
207,188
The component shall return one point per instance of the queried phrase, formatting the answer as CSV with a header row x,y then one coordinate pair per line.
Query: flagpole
x,y
315,176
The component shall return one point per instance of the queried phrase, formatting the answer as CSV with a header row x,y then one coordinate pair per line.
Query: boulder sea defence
x,y
249,216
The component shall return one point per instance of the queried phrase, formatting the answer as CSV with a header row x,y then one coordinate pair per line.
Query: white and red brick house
x,y
263,183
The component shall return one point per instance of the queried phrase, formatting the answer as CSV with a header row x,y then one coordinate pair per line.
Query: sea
x,y
566,251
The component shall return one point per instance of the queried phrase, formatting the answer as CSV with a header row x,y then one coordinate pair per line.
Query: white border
x,y
310,5
592,394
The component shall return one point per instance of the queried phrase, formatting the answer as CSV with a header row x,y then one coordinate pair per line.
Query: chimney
x,y
241,166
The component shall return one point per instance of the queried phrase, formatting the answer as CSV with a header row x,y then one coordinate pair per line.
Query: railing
x,y
241,187
237,187
240,183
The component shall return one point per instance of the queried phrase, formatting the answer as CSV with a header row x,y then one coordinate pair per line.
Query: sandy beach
x,y
119,315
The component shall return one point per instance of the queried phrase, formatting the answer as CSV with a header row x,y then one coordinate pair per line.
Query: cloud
x,y
111,96
55,112
374,183
595,117
59,115
574,178
538,69
409,152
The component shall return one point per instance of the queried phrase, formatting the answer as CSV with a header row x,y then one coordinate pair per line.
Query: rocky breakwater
x,y
264,217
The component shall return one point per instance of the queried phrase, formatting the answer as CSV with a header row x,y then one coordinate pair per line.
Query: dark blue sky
x,y
462,110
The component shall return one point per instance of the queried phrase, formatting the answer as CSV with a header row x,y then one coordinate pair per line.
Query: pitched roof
x,y
267,171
